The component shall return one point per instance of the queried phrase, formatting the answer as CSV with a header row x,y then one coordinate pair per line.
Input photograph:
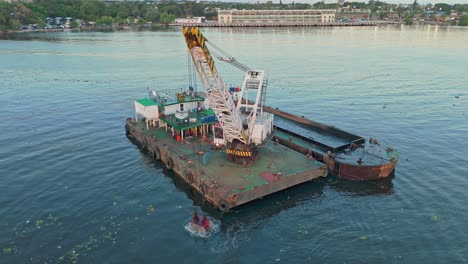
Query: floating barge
x,y
300,150
188,149
224,144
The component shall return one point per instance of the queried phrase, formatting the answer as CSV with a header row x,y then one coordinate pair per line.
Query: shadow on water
x,y
298,195
277,202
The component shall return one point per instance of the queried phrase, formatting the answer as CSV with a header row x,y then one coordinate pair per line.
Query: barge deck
x,y
223,183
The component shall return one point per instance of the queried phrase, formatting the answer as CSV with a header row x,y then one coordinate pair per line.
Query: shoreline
x,y
333,24
88,28
216,25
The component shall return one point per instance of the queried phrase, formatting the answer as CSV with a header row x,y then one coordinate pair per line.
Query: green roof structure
x,y
146,102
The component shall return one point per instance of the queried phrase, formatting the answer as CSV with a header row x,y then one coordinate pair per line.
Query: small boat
x,y
200,228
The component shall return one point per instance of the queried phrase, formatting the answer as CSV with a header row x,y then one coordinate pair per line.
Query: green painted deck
x,y
277,167
182,125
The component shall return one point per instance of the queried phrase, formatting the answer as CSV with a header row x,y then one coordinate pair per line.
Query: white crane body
x,y
244,123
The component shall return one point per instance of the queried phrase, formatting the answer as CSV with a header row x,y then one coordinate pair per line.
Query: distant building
x,y
341,2
58,22
191,20
307,16
345,13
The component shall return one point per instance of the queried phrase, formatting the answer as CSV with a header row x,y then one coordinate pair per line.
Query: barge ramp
x,y
223,183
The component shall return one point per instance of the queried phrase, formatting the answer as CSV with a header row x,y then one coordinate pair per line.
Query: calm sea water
x,y
74,189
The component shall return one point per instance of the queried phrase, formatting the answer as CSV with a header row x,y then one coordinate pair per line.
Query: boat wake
x,y
197,230
234,236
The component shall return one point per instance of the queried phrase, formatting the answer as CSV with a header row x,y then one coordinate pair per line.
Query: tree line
x,y
16,13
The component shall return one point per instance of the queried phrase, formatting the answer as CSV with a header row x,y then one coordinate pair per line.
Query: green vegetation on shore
x,y
464,21
16,13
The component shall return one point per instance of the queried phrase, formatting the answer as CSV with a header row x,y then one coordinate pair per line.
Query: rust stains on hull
x,y
361,173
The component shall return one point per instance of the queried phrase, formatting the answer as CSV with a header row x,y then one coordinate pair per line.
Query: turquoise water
x,y
74,189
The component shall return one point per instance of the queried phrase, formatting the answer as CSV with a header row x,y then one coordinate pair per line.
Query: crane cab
x,y
262,128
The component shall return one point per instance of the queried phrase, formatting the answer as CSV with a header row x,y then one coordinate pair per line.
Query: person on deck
x,y
195,218
205,222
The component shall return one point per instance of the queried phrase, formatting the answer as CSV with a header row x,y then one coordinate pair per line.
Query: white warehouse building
x,y
307,16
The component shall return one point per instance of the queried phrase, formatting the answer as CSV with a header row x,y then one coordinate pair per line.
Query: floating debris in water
x,y
39,223
74,256
91,243
7,250
52,218
150,209
302,232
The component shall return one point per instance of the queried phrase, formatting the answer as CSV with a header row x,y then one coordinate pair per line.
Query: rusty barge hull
x,y
222,183
346,155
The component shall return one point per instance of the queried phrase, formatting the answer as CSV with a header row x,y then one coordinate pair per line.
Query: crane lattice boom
x,y
219,98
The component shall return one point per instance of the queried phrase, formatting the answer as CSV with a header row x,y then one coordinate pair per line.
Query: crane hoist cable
x,y
192,72
189,68
194,76
227,58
